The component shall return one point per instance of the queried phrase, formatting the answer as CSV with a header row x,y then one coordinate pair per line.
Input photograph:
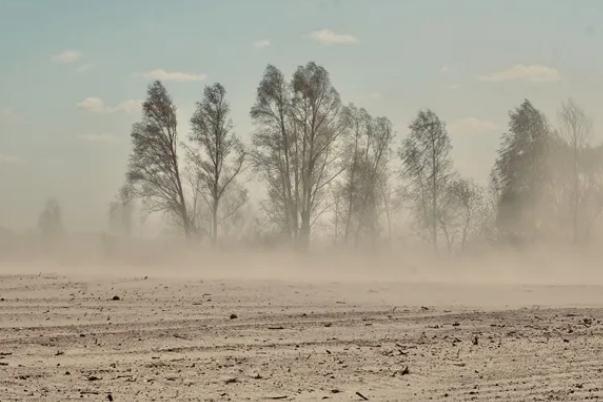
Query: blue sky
x,y
72,74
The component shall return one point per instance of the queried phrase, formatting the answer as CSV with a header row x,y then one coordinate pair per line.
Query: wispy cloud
x,y
97,105
129,106
329,37
261,43
84,67
532,73
471,125
10,160
92,104
178,76
67,57
98,138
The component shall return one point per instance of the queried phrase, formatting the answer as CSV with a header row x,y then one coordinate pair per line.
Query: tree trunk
x,y
303,240
434,206
214,222
575,198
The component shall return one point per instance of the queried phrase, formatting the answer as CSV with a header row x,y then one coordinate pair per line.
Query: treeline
x,y
336,173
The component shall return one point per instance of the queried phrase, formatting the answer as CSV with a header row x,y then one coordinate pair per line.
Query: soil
x,y
124,339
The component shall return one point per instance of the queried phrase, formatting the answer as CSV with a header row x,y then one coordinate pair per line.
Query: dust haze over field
x,y
319,200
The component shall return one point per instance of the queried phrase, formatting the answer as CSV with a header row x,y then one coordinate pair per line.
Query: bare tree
x,y
274,151
50,221
154,172
462,212
366,158
359,122
576,129
295,145
427,165
217,154
121,211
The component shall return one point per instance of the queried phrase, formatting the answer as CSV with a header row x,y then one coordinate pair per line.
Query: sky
x,y
73,74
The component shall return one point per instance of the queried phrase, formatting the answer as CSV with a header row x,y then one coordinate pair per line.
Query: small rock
x,y
115,298
233,316
404,371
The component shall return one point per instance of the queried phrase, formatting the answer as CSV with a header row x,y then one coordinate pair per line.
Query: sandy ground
x,y
64,338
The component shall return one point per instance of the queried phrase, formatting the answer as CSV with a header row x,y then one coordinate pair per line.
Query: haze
x,y
71,74
301,200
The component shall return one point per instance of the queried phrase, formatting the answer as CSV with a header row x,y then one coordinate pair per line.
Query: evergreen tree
x,y
520,173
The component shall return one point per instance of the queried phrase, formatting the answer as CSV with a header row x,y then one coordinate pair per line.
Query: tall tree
x,y
217,154
521,173
50,221
366,158
463,212
576,130
295,144
121,211
154,172
427,165
275,151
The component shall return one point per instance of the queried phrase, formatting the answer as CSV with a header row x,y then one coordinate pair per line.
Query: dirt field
x,y
65,338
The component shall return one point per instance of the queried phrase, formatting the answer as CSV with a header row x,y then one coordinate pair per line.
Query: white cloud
x,y
376,95
261,43
92,104
97,105
471,125
66,57
10,160
532,73
163,75
84,67
98,138
328,37
127,106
